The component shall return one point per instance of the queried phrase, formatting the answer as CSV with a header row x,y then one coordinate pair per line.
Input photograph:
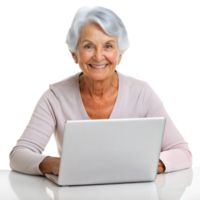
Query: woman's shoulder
x,y
65,86
65,82
134,86
139,89
131,82
59,88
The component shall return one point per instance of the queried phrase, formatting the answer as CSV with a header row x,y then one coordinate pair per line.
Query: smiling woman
x,y
97,53
97,40
97,48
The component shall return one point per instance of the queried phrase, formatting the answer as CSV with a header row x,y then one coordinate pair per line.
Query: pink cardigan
x,y
63,102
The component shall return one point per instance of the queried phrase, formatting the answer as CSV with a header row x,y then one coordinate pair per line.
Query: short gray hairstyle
x,y
105,18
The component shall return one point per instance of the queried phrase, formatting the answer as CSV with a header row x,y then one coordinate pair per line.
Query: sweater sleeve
x,y
26,156
175,153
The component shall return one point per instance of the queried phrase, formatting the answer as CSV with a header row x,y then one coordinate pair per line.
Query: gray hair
x,y
105,18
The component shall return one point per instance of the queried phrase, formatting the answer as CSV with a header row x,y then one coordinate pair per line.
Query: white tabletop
x,y
184,184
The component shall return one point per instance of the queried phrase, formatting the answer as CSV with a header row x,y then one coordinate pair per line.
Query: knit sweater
x,y
63,102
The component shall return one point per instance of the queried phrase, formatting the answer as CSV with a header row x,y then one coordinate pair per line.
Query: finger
x,y
58,169
160,170
55,170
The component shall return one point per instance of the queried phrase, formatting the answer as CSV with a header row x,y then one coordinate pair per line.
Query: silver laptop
x,y
110,151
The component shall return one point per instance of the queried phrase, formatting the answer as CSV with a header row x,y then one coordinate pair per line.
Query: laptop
x,y
110,151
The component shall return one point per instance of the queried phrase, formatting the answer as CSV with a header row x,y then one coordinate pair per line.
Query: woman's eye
x,y
88,46
108,46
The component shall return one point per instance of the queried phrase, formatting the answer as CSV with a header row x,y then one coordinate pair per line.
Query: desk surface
x,y
184,185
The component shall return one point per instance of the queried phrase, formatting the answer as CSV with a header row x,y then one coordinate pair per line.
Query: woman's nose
x,y
98,55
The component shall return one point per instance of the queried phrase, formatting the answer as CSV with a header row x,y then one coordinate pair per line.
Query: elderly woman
x,y
97,40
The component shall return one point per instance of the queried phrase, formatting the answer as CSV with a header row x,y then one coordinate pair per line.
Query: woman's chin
x,y
98,74
98,77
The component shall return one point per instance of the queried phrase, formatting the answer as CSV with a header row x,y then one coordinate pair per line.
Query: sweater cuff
x,y
26,161
165,158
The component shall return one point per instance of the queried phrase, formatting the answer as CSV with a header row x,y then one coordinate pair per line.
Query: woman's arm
x,y
26,156
175,153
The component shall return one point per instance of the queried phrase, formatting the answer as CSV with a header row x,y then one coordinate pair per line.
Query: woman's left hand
x,y
161,167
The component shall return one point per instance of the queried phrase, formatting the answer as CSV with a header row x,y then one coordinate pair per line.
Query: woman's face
x,y
97,53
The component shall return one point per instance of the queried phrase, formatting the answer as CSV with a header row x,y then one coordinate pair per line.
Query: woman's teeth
x,y
101,66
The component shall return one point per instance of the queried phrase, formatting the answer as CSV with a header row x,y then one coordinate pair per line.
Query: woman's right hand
x,y
50,165
56,167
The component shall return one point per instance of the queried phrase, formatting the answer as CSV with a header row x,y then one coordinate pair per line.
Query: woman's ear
x,y
120,60
73,57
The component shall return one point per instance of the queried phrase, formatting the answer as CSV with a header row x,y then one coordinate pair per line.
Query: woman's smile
x,y
98,66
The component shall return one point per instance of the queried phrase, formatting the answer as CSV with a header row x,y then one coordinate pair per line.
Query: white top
x,y
62,102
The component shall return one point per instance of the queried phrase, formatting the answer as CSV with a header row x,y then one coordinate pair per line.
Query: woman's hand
x,y
56,167
161,167
50,165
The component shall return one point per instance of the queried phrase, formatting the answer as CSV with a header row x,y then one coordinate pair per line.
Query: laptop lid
x,y
111,151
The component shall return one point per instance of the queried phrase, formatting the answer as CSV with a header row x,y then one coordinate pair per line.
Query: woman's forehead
x,y
93,31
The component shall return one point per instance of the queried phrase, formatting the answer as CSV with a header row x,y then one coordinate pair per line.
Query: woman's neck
x,y
98,89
